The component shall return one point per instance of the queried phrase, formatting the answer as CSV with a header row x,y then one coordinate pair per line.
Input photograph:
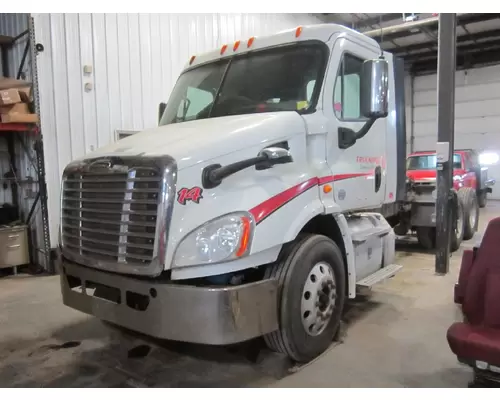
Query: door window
x,y
347,92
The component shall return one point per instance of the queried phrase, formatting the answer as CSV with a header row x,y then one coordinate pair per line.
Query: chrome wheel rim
x,y
318,299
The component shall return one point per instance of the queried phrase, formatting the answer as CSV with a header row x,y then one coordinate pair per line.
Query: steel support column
x,y
446,134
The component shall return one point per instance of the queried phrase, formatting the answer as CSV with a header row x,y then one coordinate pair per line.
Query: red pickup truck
x,y
470,182
467,172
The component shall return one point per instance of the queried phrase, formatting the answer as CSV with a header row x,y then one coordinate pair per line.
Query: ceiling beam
x,y
461,51
464,19
368,22
491,57
460,39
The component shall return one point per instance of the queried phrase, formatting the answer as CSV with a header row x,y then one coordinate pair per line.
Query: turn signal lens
x,y
236,45
250,41
245,236
327,189
223,49
298,31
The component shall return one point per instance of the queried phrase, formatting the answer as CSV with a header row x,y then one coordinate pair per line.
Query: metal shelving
x,y
21,132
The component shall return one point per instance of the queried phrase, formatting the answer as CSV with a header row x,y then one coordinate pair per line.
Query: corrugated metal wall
x,y
135,60
477,113
13,25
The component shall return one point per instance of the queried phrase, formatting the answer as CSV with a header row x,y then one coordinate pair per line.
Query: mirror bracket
x,y
348,137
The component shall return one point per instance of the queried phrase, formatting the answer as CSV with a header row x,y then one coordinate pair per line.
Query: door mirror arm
x,y
213,175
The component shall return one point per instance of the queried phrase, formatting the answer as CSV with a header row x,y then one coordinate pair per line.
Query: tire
x,y
467,196
482,199
457,235
294,270
426,236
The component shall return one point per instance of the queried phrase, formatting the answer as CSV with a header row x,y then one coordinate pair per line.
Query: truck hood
x,y
194,142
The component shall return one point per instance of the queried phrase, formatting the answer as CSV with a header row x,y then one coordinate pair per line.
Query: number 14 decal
x,y
194,194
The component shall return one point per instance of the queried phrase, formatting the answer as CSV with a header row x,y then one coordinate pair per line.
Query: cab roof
x,y
319,32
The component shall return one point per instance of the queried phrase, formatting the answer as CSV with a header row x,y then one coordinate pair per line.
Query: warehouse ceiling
x,y
414,36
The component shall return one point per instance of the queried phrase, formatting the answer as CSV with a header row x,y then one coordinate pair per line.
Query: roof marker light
x,y
223,49
236,45
191,59
250,41
298,31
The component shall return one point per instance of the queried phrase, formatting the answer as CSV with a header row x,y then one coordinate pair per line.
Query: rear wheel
x,y
457,234
482,198
312,286
467,196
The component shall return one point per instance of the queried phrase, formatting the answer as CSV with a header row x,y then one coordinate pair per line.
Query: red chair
x,y
476,341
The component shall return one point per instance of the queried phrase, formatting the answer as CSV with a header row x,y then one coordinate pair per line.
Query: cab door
x,y
358,171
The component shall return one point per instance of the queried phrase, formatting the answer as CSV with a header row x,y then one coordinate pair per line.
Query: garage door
x,y
477,114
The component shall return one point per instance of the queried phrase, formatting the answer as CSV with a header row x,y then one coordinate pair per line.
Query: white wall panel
x,y
136,59
477,113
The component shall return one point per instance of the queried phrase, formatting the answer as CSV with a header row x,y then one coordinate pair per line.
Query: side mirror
x,y
161,110
374,87
274,155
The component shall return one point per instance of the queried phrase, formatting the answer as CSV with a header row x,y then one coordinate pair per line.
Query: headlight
x,y
222,239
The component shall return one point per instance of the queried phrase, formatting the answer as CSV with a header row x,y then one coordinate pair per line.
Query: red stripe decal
x,y
266,208
341,177
269,206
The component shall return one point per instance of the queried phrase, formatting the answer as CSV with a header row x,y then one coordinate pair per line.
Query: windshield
x,y
428,161
280,79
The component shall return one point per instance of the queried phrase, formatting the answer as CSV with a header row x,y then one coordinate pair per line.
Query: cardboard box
x,y
20,118
14,91
18,108
9,83
9,96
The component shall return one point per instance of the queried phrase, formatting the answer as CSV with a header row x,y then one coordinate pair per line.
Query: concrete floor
x,y
395,338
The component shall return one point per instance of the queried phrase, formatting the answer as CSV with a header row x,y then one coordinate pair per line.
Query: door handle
x,y
378,178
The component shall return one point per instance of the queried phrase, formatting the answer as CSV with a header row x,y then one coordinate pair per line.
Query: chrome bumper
x,y
216,315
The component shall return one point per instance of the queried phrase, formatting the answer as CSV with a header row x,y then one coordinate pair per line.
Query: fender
x,y
341,222
349,254
327,206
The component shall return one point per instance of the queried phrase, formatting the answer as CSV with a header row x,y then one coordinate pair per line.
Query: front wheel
x,y
426,235
312,287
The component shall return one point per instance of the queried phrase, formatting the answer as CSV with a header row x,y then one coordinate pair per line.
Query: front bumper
x,y
207,315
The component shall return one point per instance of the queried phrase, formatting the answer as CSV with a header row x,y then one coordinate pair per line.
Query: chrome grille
x,y
109,215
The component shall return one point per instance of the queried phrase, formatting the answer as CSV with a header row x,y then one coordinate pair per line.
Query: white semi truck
x,y
248,211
